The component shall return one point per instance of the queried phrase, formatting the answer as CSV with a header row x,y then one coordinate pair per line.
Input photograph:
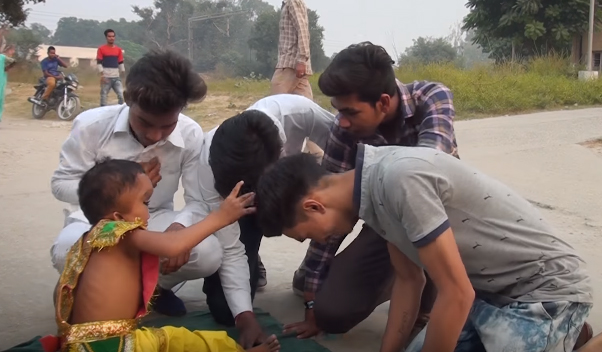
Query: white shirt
x,y
297,118
105,132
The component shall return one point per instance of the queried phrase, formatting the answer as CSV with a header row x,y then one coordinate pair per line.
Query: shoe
x,y
585,335
167,303
299,282
262,281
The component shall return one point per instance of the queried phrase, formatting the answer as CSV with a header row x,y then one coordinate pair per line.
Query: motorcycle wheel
x,y
67,110
38,111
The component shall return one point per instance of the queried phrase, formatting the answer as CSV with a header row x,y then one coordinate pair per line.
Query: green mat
x,y
204,321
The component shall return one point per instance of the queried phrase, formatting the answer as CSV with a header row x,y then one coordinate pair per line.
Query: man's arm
x,y
416,191
61,62
190,177
306,120
77,156
436,129
99,58
339,156
405,301
455,294
298,13
234,271
44,66
120,61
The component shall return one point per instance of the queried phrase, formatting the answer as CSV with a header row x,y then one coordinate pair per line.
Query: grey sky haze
x,y
390,23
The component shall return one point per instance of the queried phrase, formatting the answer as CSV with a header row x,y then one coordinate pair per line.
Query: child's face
x,y
135,201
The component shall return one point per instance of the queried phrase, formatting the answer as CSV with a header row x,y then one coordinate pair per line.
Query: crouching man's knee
x,y
332,318
205,258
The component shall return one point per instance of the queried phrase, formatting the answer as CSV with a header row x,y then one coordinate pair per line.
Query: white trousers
x,y
205,258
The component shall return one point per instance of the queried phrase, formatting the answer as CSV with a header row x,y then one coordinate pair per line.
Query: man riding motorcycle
x,y
50,68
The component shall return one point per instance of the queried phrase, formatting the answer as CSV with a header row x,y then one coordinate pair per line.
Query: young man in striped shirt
x,y
110,65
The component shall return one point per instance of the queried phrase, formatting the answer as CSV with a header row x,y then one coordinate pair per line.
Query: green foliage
x,y
73,31
429,50
543,82
26,40
132,52
534,27
12,12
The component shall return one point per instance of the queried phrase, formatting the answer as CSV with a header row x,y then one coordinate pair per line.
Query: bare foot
x,y
270,345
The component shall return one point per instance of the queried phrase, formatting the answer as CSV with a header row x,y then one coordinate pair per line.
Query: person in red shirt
x,y
110,65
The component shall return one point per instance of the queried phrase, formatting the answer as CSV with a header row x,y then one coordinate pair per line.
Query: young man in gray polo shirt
x,y
504,281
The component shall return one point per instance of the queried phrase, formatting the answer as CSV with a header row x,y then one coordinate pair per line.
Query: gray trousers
x,y
359,280
115,84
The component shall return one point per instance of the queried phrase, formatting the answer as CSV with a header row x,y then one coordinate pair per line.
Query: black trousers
x,y
250,236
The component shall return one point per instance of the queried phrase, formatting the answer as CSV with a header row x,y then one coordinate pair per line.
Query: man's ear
x,y
313,206
385,103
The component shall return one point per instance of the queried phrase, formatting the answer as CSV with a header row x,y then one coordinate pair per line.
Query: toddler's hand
x,y
235,207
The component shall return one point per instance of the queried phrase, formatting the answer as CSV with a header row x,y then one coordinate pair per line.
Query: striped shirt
x,y
293,43
110,60
427,114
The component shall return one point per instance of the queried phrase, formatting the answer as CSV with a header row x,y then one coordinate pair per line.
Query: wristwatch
x,y
309,305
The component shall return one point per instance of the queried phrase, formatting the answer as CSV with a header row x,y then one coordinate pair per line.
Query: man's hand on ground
x,y
152,169
300,69
174,264
250,330
304,329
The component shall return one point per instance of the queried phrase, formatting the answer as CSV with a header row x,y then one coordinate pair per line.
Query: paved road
x,y
537,154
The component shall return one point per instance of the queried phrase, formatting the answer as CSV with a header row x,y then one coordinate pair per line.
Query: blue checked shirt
x,y
427,114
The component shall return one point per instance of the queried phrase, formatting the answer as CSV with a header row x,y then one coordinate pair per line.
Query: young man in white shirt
x,y
242,147
504,281
150,129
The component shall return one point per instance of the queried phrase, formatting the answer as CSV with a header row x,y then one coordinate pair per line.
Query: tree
x,y
12,12
26,41
40,31
508,28
166,23
428,50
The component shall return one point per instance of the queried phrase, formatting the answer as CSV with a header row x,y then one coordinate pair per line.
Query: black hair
x,y
281,188
162,81
363,69
107,31
242,147
50,48
100,187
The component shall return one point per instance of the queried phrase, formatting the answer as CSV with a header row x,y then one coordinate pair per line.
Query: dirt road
x,y
539,155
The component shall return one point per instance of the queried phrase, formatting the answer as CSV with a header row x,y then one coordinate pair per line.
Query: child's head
x,y
115,189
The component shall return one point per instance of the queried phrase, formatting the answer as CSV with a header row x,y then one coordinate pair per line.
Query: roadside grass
x,y
548,82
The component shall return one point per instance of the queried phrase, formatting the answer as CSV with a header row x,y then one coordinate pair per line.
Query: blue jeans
x,y
111,83
518,327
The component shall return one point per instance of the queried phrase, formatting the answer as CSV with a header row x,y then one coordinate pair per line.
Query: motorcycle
x,y
62,99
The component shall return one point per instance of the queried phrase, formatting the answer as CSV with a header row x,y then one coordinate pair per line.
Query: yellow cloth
x,y
172,339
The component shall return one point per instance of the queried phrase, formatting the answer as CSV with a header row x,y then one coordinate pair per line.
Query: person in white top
x,y
151,130
241,148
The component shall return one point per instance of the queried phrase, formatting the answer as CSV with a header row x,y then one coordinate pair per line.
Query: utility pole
x,y
590,35
203,18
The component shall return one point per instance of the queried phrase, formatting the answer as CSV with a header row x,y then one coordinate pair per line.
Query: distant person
x,y
50,68
504,281
244,145
294,57
6,62
110,64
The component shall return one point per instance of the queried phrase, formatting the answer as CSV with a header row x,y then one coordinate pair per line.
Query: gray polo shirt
x,y
410,196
